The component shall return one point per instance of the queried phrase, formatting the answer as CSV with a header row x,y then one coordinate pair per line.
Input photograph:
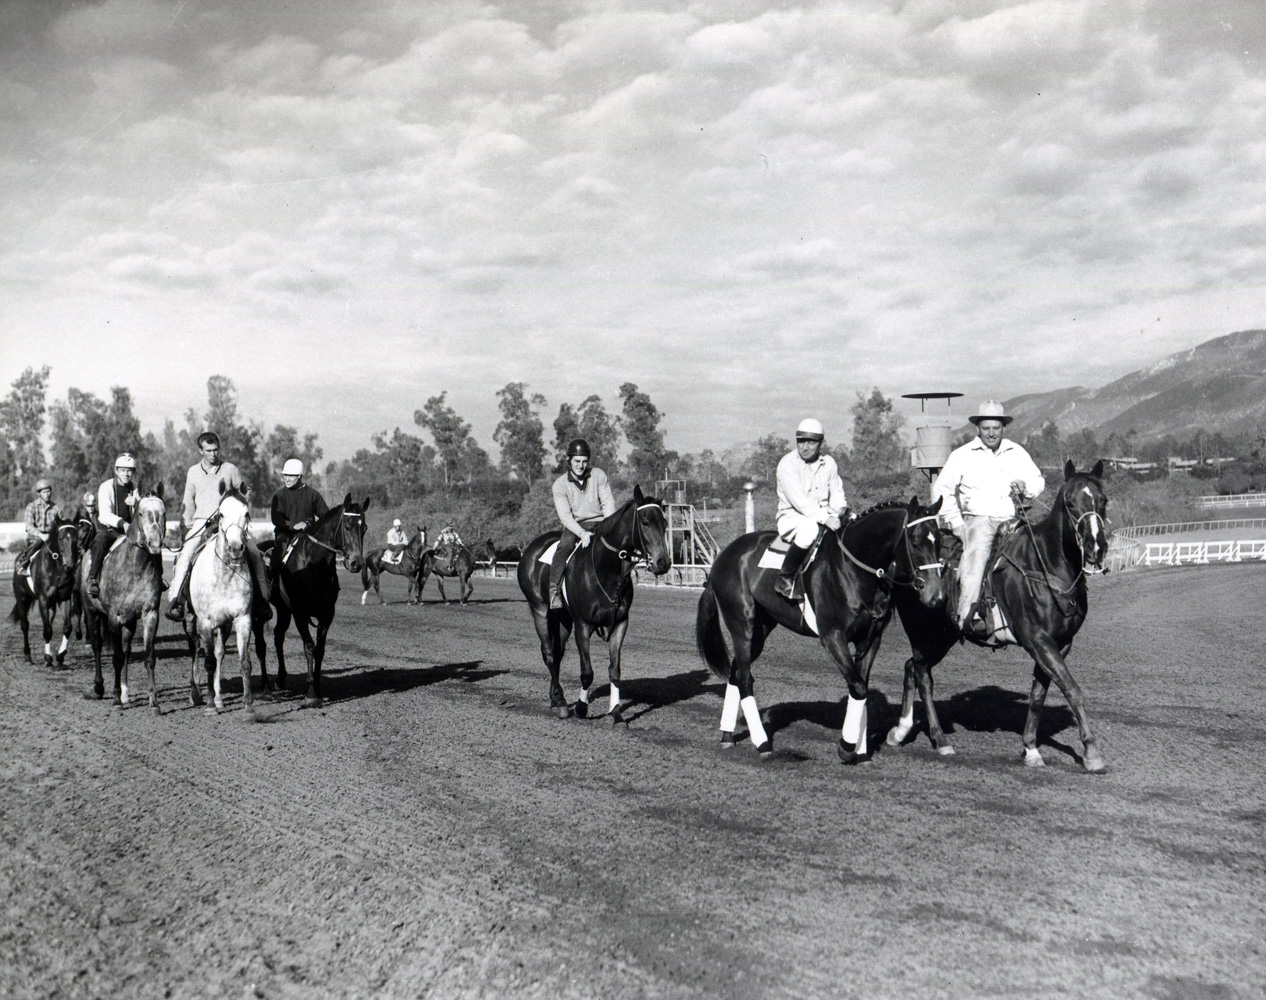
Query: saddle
x,y
775,557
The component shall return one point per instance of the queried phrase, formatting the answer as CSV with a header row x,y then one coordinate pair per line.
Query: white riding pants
x,y
977,534
797,529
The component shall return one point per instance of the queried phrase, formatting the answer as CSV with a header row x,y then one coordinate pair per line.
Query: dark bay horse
x,y
131,587
408,566
598,588
485,552
849,586
436,561
51,585
306,585
1039,582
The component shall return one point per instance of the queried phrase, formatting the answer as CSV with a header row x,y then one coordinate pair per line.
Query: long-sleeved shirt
x,y
575,503
202,491
302,503
40,516
978,481
113,508
811,489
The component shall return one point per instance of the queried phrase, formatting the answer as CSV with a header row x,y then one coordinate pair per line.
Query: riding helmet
x,y
125,461
293,467
809,430
42,484
578,446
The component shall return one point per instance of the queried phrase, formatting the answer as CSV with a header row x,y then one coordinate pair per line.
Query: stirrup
x,y
175,612
785,586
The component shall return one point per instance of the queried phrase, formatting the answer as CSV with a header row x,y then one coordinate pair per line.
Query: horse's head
x,y
650,532
235,523
63,546
349,535
149,523
1086,505
921,553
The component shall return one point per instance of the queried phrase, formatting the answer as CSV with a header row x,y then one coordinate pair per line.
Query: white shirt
x,y
812,489
978,481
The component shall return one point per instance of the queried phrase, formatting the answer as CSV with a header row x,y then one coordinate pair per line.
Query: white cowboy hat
x,y
991,409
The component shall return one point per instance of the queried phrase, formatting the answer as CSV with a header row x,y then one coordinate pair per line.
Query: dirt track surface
x,y
434,831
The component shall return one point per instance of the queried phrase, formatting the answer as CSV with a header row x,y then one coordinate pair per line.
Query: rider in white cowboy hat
x,y
295,508
41,513
810,495
397,541
979,486
116,503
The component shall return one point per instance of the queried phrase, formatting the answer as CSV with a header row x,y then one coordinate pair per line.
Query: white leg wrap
x,y
62,648
123,695
48,649
584,696
754,726
729,711
902,729
854,730
615,696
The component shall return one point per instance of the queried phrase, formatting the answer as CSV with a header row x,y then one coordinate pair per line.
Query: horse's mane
x,y
609,522
889,504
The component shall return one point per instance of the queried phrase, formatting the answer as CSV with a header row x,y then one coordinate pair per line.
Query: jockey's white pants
x,y
977,533
183,561
797,529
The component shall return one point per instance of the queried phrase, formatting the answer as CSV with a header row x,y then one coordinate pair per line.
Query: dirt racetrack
x,y
434,831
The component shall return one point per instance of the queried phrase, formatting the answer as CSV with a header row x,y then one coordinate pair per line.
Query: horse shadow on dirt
x,y
989,709
366,680
650,694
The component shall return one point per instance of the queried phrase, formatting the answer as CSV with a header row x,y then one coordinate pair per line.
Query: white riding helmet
x,y
125,461
809,430
396,523
293,467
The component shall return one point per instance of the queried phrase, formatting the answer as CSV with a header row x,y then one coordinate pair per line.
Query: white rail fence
x,y
1236,500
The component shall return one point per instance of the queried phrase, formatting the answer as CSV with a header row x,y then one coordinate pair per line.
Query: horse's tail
x,y
709,639
15,615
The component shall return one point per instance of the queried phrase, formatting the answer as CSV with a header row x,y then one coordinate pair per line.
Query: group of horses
x,y
892,558
417,563
222,594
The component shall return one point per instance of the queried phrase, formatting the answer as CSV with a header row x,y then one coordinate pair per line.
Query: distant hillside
x,y
1219,385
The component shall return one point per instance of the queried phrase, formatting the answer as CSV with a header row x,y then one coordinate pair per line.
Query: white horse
x,y
220,595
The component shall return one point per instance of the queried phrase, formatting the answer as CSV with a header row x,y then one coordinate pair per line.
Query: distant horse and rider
x,y
1036,581
408,565
49,584
844,597
448,560
597,594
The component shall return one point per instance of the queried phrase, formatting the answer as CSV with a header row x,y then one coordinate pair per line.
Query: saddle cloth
x,y
774,556
392,558
548,555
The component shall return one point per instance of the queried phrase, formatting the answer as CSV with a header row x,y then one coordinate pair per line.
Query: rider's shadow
x,y
992,709
649,694
367,680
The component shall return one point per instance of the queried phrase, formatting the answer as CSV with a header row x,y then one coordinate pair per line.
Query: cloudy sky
x,y
753,210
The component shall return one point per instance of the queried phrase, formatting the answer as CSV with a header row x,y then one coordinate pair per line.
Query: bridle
x,y
1076,520
628,556
339,539
890,573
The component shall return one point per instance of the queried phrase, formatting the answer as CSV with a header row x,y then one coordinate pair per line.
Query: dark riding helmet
x,y
578,446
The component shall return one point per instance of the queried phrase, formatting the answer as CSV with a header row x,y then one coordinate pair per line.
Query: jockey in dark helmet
x,y
582,497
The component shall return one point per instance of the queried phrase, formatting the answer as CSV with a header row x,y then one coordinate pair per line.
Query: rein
x,y
628,556
1064,597
338,533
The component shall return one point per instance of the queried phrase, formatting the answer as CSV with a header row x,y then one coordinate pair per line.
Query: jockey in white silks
x,y
978,486
397,542
810,495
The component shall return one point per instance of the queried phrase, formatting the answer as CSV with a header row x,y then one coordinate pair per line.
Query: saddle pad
x,y
548,555
775,554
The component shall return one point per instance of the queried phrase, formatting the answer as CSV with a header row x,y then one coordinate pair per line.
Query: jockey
x,y
979,486
397,541
810,495
116,503
40,515
296,507
205,484
582,498
448,536
88,508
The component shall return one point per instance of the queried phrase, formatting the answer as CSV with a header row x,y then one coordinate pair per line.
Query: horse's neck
x,y
875,548
1056,537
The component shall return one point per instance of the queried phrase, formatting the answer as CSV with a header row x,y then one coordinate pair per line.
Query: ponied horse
x,y
305,585
1038,576
50,585
131,589
222,598
849,580
597,591
436,561
407,565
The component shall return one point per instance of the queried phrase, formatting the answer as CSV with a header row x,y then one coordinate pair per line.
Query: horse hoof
x,y
582,710
209,710
945,750
766,750
156,709
1093,763
564,711
93,695
27,657
848,753
1032,758
48,662
312,703
249,715
727,741
616,717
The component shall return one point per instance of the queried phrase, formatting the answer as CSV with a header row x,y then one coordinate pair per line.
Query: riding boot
x,y
176,609
785,585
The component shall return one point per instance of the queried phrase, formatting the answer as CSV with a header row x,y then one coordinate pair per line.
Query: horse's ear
x,y
936,507
637,493
1097,471
347,500
1069,469
365,506
159,492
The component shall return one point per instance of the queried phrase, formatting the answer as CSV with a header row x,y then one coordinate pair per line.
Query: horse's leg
x,y
468,588
584,631
747,636
65,643
854,747
21,614
919,673
46,624
279,643
261,648
77,613
196,653
120,665
94,625
149,632
616,641
439,582
215,675
242,627
311,699
318,655
1049,660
